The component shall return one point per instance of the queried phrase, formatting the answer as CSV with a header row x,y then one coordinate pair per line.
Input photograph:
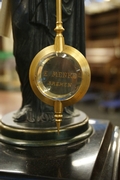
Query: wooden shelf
x,y
103,49
104,25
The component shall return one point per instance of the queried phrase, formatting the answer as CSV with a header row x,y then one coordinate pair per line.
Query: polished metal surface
x,y
83,64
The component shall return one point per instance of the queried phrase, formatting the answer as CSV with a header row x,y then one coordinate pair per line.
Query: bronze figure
x,y
33,23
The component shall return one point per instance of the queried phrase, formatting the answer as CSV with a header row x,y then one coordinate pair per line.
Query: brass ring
x,y
84,68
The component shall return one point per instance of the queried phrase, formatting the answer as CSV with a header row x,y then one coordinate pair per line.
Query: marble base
x,y
96,156
72,130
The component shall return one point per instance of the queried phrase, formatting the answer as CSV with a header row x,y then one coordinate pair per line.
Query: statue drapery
x,y
33,23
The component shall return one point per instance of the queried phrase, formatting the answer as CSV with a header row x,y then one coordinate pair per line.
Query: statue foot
x,y
21,115
26,114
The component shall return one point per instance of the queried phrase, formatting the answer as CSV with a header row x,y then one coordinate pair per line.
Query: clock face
x,y
58,76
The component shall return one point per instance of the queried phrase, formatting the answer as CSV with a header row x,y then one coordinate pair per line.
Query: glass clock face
x,y
58,76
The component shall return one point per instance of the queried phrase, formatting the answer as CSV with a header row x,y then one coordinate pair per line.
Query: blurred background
x,y
102,101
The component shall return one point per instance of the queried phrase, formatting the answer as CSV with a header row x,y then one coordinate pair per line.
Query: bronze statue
x,y
33,23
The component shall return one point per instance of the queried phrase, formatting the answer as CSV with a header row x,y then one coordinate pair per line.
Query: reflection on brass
x,y
76,82
59,39
58,109
85,75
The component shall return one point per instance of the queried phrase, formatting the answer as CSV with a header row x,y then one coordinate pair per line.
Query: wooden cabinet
x,y
105,25
103,49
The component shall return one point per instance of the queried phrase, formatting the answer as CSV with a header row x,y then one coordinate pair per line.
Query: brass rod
x,y
59,39
58,11
58,109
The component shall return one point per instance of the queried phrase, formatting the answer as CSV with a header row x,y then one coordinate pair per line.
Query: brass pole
x,y
59,39
58,109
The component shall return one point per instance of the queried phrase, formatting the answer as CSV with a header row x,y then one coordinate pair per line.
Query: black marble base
x,y
98,156
74,129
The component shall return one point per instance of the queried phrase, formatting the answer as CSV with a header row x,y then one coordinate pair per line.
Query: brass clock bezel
x,y
84,68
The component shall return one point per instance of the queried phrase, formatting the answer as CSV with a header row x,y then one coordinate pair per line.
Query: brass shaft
x,y
58,11
59,39
58,109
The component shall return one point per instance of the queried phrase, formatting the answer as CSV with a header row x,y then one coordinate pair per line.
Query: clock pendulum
x,y
59,74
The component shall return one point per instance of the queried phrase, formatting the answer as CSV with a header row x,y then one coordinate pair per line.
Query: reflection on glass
x,y
58,76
